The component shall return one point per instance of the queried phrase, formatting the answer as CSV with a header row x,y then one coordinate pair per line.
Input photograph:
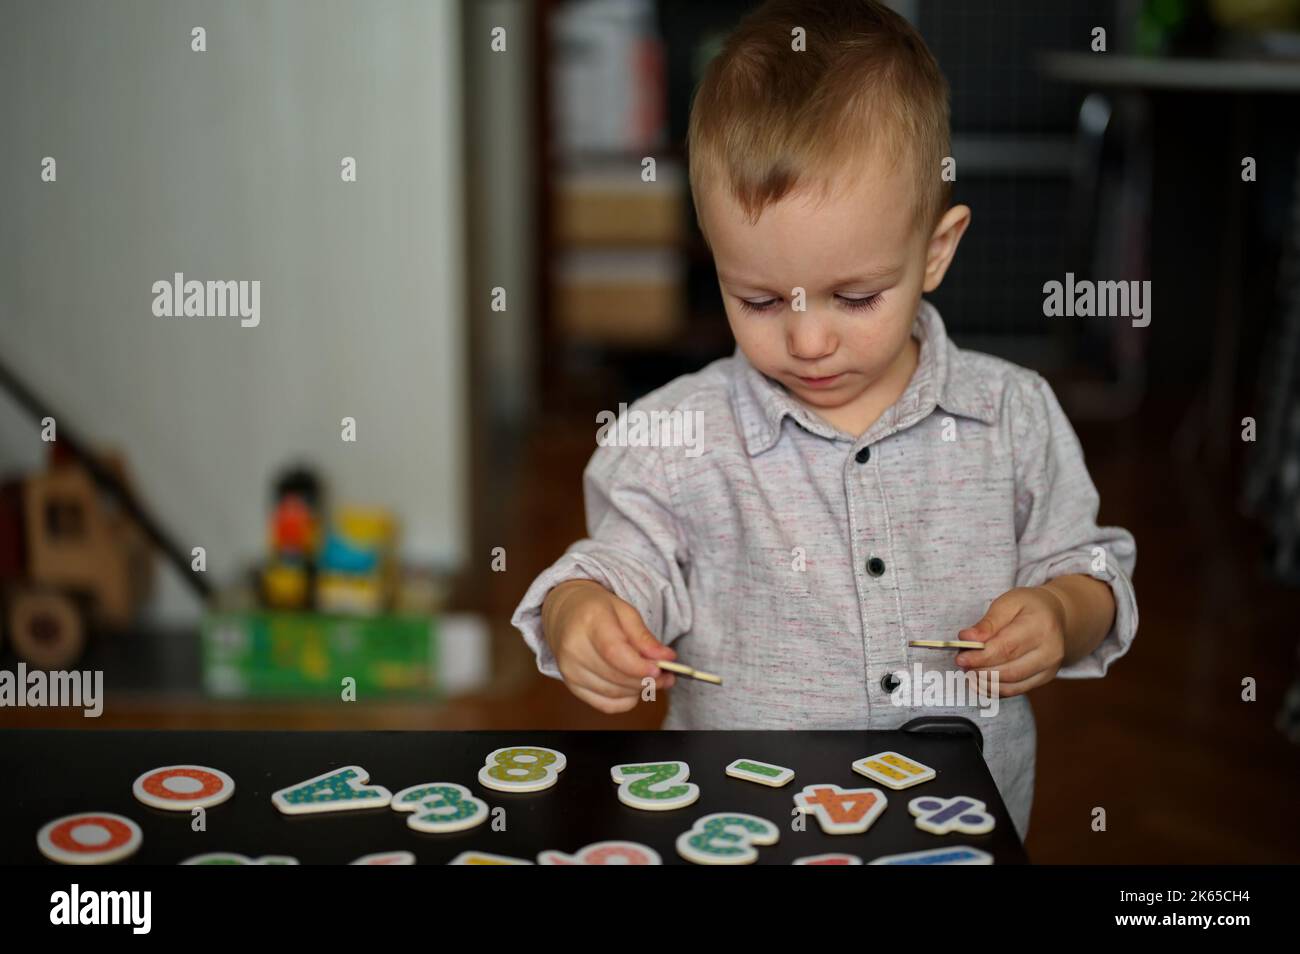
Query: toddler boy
x,y
859,481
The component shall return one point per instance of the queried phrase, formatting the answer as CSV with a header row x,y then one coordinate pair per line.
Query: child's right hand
x,y
602,646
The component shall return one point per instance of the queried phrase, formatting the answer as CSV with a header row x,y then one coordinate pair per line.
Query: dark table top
x,y
52,773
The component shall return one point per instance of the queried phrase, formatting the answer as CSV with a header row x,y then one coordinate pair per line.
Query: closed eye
x,y
864,303
766,304
860,304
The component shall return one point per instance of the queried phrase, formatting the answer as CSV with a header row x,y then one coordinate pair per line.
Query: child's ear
x,y
943,245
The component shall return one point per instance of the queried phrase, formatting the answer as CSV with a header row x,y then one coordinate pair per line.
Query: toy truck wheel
x,y
45,629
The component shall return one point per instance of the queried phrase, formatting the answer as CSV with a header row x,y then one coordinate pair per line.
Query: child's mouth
x,y
819,382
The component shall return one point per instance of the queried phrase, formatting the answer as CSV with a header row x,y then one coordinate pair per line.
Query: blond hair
x,y
768,120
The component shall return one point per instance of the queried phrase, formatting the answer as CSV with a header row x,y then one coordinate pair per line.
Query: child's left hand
x,y
1024,631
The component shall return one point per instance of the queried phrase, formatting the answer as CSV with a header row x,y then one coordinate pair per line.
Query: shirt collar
x,y
940,380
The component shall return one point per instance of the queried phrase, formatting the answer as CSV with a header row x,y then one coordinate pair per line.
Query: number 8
x,y
519,768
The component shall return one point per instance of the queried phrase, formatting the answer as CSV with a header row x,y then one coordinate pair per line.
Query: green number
x,y
653,774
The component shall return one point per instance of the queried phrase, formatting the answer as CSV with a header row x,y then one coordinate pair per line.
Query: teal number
x,y
334,788
441,796
715,830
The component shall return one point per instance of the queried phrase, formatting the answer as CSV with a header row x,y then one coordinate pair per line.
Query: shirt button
x,y
876,566
890,681
863,455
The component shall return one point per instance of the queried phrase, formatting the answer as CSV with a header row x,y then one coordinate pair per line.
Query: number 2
x,y
655,786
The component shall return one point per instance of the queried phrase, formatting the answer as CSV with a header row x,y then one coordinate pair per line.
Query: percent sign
x,y
944,815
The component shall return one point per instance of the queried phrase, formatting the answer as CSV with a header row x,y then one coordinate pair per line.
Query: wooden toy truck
x,y
69,560
74,545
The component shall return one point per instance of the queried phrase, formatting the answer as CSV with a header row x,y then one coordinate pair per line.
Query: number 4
x,y
841,811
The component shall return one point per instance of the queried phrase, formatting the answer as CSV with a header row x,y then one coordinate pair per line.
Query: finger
x,y
617,652
1006,689
600,653
642,639
665,680
1000,612
603,703
598,667
1011,642
593,662
1024,667
592,678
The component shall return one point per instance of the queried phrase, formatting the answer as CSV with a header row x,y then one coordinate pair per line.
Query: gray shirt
x,y
765,548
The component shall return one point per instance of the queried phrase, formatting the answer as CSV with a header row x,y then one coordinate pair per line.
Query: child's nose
x,y
809,338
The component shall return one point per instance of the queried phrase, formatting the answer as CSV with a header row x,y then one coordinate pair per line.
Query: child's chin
x,y
826,399
837,393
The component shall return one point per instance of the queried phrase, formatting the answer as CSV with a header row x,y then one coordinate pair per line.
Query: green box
x,y
265,654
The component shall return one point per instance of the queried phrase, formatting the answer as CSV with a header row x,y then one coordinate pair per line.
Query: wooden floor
x,y
1185,770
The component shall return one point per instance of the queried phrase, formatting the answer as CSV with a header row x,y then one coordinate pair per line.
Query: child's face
x,y
862,262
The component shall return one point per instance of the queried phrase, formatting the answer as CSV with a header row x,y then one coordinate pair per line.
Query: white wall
x,y
225,165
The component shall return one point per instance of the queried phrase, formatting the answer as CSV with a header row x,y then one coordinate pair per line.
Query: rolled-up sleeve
x,y
635,548
1056,520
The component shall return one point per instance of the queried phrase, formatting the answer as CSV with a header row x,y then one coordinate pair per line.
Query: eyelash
x,y
852,304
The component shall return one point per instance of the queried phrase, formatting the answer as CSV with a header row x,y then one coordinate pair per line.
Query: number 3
x,y
726,839
440,806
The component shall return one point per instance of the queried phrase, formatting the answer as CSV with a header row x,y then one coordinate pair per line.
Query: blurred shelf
x,y
567,159
1175,73
1012,155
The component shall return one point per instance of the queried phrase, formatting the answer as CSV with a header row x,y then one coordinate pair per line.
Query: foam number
x,y
604,853
485,858
230,858
957,855
841,811
522,768
181,788
89,838
940,816
655,786
893,770
834,858
440,806
726,838
343,789
764,773
386,858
